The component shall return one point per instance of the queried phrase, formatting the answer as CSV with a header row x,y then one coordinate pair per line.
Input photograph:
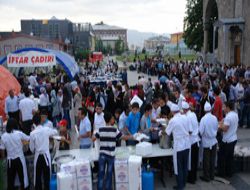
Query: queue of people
x,y
198,107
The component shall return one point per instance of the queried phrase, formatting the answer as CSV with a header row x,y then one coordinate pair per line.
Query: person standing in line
x,y
12,141
208,131
27,109
44,100
39,144
108,136
11,106
177,127
66,106
77,103
99,117
85,129
229,139
194,140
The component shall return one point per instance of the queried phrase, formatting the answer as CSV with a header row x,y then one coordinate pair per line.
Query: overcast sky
x,y
160,16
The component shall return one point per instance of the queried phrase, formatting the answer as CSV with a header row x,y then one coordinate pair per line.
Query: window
x,y
28,45
39,45
49,46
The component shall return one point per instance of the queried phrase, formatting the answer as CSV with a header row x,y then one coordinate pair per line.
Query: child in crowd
x,y
66,140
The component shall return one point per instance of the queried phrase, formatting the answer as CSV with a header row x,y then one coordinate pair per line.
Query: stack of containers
x,y
75,175
121,174
134,168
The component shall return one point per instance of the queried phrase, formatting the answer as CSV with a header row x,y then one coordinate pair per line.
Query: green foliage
x,y
193,32
82,54
119,47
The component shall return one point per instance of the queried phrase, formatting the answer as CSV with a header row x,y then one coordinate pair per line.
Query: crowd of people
x,y
202,106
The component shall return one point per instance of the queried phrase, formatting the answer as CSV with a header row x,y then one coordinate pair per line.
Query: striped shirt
x,y
108,136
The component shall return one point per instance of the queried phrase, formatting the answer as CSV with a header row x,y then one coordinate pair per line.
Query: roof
x,y
158,38
177,33
12,35
106,27
230,21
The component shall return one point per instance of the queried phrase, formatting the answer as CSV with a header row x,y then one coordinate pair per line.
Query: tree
x,y
193,25
98,45
119,47
82,54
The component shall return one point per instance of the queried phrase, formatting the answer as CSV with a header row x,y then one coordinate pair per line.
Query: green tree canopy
x,y
193,25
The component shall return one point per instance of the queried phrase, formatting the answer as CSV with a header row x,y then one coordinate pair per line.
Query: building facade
x,y
53,29
84,37
230,31
110,34
18,41
157,41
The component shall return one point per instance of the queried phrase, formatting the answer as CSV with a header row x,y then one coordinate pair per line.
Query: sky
x,y
159,16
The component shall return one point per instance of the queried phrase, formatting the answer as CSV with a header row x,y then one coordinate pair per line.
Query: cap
x,y
174,108
185,105
63,123
207,107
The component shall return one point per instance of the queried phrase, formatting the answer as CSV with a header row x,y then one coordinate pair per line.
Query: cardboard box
x,y
122,186
121,171
66,181
84,183
83,168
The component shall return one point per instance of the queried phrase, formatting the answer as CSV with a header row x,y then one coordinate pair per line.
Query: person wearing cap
x,y
208,131
178,127
229,139
65,140
194,140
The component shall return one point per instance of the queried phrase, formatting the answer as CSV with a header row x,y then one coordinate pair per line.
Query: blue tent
x,y
65,60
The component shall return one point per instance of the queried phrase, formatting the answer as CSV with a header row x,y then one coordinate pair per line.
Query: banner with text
x,y
31,59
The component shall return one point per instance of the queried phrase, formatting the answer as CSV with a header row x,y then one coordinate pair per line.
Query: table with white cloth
x,y
121,152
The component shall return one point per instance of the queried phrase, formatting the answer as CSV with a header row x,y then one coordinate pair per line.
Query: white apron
x,y
47,159
25,175
175,158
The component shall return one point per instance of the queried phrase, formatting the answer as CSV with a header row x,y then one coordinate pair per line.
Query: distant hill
x,y
137,38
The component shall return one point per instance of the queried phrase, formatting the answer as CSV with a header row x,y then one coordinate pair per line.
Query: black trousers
x,y
182,165
209,156
226,154
42,170
15,167
14,115
192,175
26,128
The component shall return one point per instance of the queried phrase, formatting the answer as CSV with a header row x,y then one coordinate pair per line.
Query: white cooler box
x,y
66,181
144,148
134,168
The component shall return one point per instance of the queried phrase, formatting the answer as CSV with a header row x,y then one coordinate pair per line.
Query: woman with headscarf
x,y
56,108
44,100
77,103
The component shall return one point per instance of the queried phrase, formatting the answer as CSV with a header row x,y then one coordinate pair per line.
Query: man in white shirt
x,y
208,131
177,127
229,128
39,144
85,129
44,100
27,109
179,97
99,117
11,106
123,117
194,140
32,80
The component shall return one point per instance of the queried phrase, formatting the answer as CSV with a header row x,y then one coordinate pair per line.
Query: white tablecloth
x,y
124,152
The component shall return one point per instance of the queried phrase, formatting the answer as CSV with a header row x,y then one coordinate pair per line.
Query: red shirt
x,y
217,111
191,100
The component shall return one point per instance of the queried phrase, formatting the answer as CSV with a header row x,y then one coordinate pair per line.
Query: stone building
x,y
110,34
156,41
227,24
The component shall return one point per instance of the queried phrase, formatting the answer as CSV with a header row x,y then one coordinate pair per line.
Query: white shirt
x,y
44,100
99,121
85,127
231,120
26,107
122,120
169,103
11,104
177,126
32,81
179,101
156,113
48,124
239,91
208,130
39,139
12,142
194,127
